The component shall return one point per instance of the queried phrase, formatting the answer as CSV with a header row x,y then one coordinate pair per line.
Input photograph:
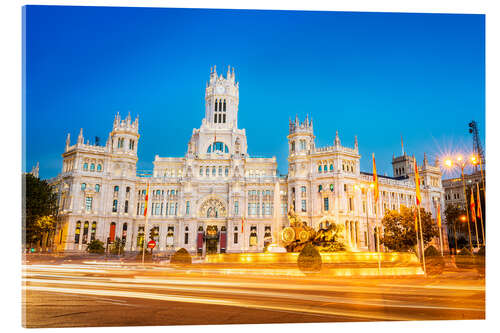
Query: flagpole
x,y
474,213
421,238
480,209
418,200
438,219
416,233
146,223
441,240
375,197
378,240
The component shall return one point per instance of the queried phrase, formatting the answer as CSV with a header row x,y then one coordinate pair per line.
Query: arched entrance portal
x,y
211,238
213,213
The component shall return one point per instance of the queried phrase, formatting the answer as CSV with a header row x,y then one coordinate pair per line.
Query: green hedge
x,y
309,259
181,257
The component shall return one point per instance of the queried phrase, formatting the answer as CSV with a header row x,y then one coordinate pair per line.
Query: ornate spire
x,y
68,141
80,136
356,142
425,159
337,139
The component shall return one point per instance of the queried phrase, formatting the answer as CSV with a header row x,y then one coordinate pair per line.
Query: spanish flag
x,y
146,203
439,216
479,210
417,184
242,220
472,206
416,221
375,179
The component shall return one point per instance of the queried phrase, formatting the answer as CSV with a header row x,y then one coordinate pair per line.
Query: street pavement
x,y
94,293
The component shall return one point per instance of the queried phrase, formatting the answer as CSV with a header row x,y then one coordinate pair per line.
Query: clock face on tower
x,y
219,89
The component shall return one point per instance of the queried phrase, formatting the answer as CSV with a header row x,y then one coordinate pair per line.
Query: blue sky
x,y
374,75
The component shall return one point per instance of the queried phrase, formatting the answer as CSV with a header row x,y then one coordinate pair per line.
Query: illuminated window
x,y
77,232
93,231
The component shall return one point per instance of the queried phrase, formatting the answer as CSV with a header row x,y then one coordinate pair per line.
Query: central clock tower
x,y
221,100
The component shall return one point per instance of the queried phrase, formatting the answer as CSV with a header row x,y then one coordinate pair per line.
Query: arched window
x,y
224,109
227,171
117,188
97,187
85,166
319,168
115,206
85,232
215,118
220,118
92,167
207,171
124,232
201,171
127,189
224,118
331,167
84,186
112,228
77,232
126,206
99,168
220,171
325,168
93,231
213,171
320,188
215,105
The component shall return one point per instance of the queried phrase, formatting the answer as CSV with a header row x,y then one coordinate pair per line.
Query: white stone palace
x,y
217,198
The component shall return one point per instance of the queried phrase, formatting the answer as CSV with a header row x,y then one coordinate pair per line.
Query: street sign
x,y
151,244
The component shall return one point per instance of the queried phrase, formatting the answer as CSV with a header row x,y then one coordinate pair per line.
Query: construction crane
x,y
477,148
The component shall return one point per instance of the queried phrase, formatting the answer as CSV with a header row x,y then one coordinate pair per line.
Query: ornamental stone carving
x,y
212,208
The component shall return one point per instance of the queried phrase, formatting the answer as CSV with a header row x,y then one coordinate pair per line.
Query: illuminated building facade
x,y
217,198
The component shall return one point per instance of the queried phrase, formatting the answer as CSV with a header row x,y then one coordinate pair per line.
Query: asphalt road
x,y
99,294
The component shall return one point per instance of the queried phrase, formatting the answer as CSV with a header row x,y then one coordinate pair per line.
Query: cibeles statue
x,y
299,234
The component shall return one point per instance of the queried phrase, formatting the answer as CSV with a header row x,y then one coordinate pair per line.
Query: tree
x,y
399,229
40,210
